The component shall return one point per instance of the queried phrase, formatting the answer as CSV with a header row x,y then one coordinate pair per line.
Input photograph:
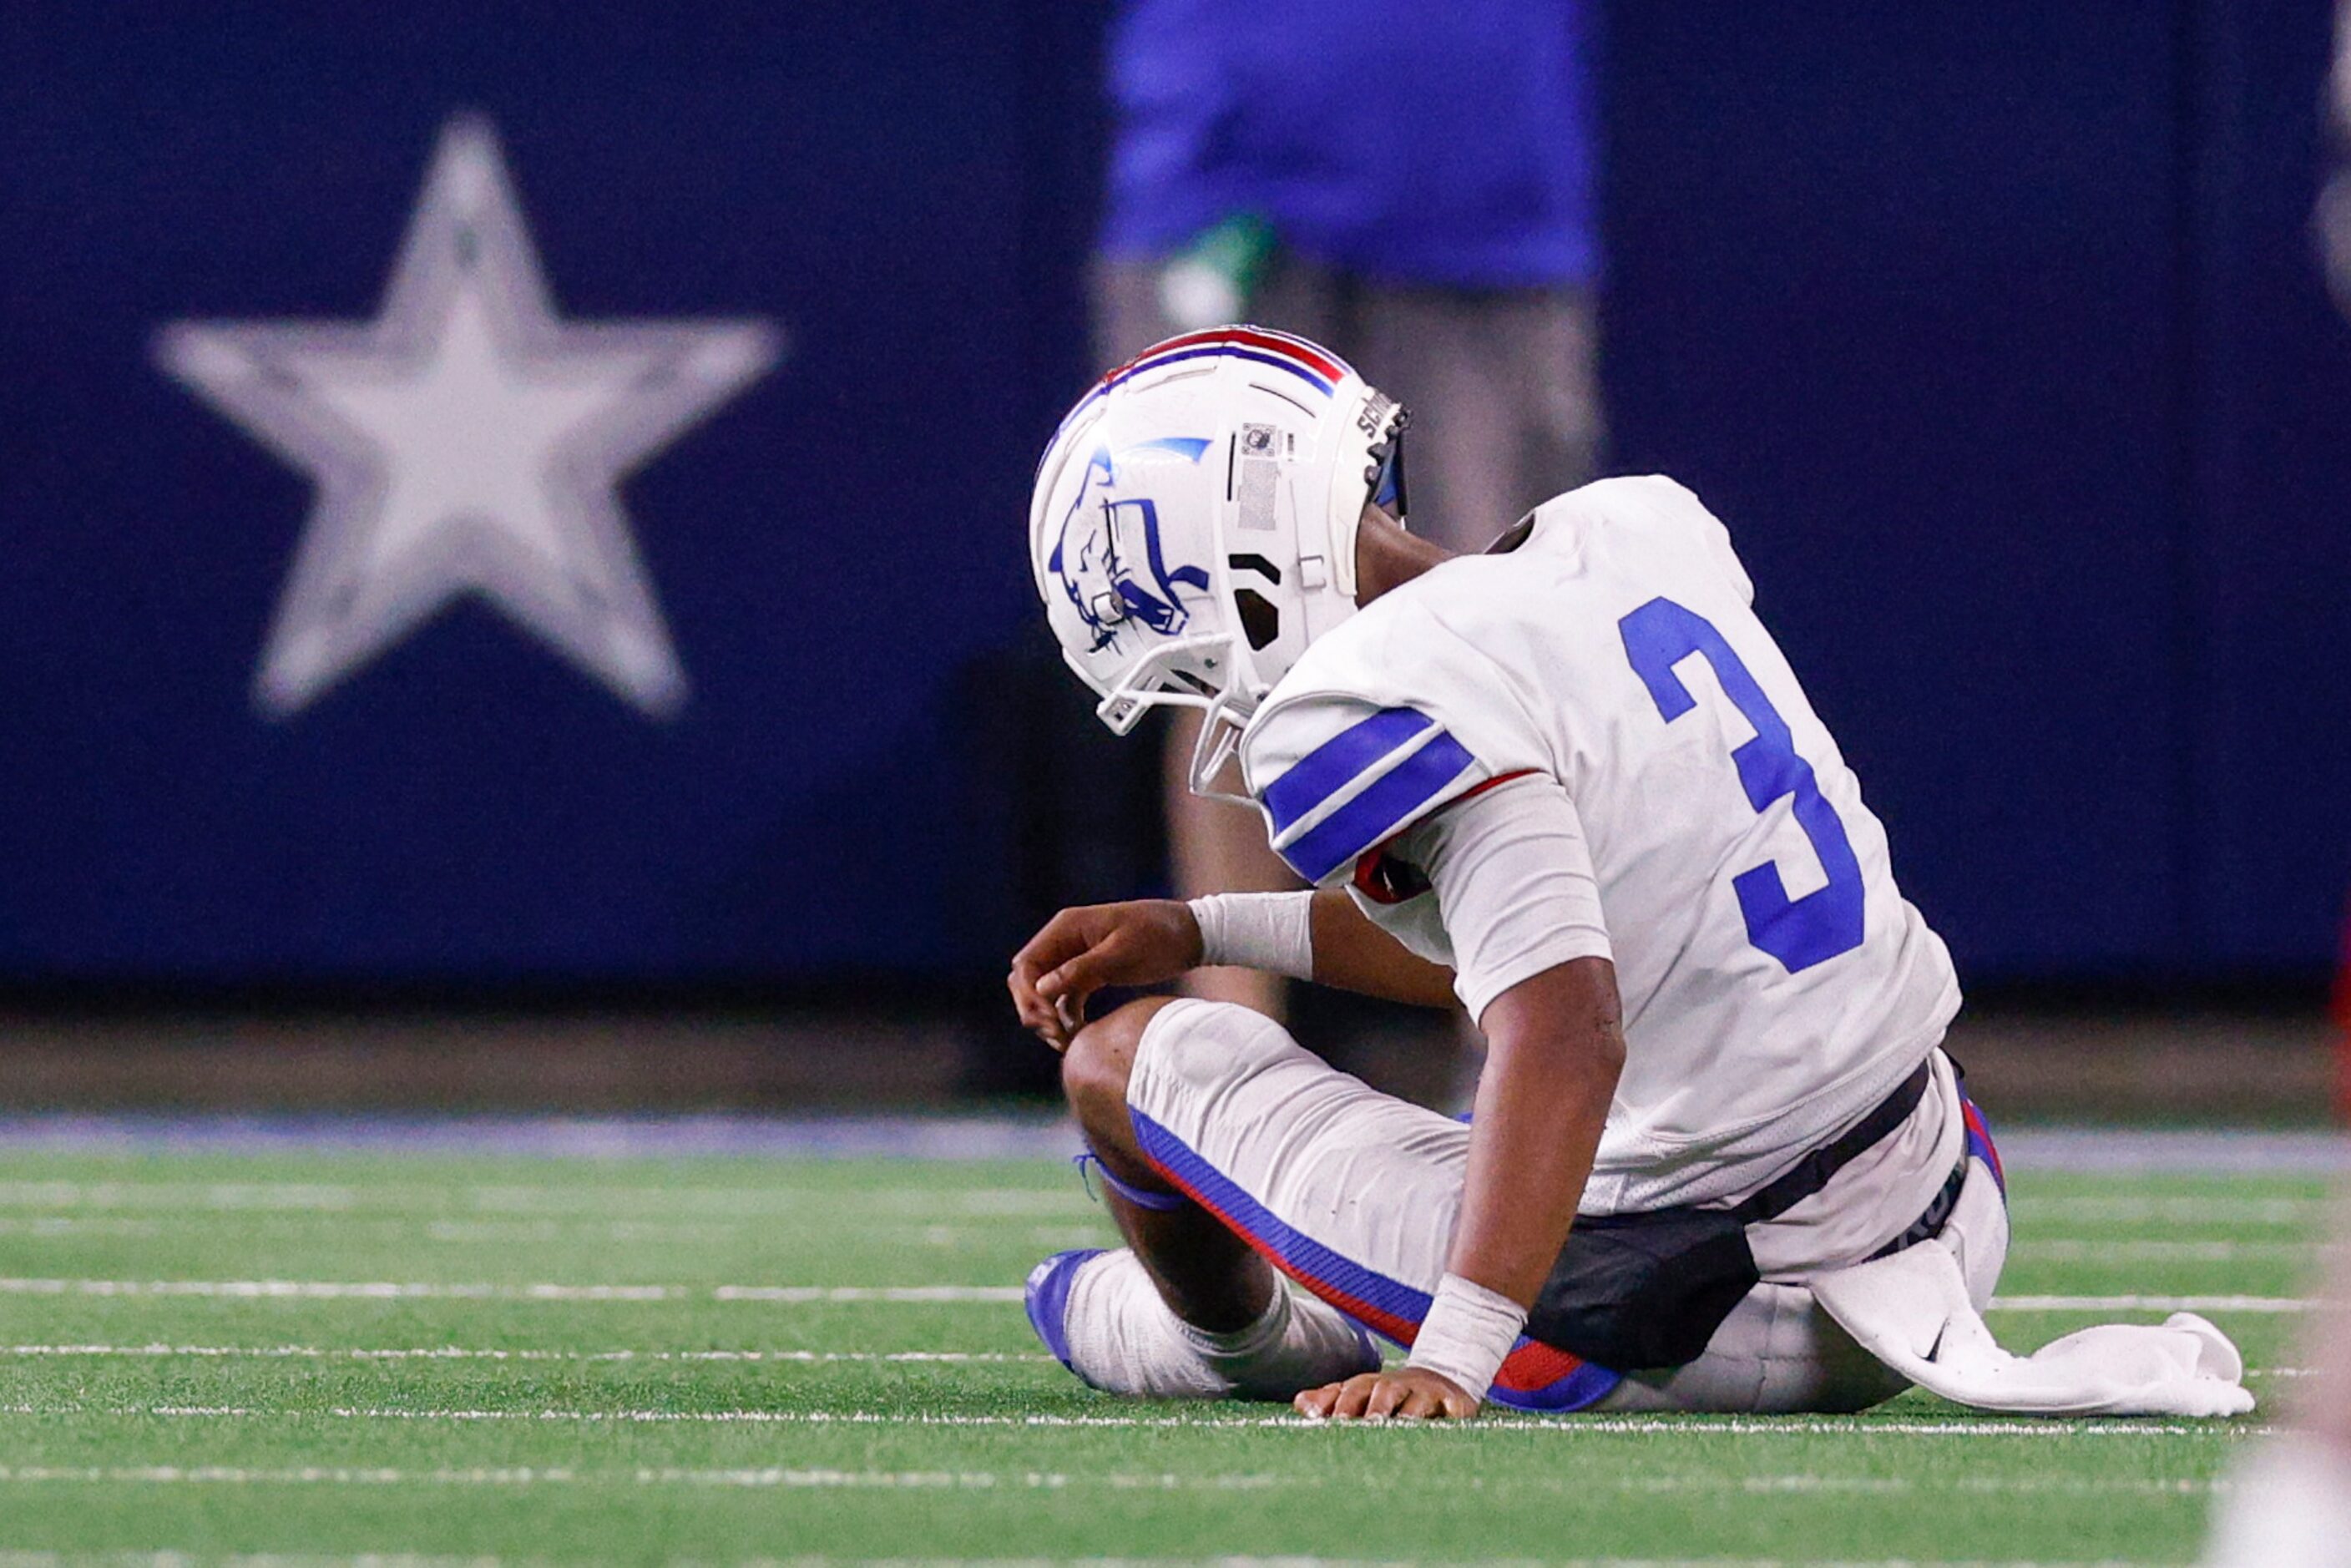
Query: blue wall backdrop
x,y
1999,336
1995,333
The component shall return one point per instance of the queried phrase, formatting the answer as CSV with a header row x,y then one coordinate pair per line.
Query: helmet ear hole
x,y
1260,622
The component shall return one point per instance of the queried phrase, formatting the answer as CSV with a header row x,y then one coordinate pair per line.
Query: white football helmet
x,y
1193,525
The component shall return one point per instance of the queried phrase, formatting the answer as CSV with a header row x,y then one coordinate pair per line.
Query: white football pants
x,y
1354,1194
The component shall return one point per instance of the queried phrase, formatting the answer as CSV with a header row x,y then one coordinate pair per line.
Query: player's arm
x,y
1353,955
1319,936
1513,879
1553,1050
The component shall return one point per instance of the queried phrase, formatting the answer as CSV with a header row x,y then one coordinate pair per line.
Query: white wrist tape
x,y
1268,931
1469,1330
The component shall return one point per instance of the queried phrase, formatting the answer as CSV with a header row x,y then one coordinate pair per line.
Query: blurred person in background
x,y
1413,179
2288,1503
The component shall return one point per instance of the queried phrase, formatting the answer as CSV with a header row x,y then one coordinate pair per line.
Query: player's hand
x,y
1081,950
1397,1393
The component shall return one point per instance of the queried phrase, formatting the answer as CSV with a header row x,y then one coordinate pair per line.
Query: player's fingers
x,y
1387,1398
1068,934
1080,976
1070,1013
1035,1010
1316,1403
1036,1016
1353,1395
1454,1405
1025,999
1054,942
1448,1400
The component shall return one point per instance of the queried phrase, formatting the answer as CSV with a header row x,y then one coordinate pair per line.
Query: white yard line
x,y
811,1295
593,1203
250,1560
2124,1210
668,1234
794,1478
1063,1198
410,1560
772,1477
1081,1227
2152,1304
2212,1151
460,1353
2092,1249
184,1194
386,1290
506,1231
61,1225
1744,1426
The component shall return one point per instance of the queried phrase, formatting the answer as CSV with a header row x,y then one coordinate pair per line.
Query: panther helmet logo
x,y
1109,559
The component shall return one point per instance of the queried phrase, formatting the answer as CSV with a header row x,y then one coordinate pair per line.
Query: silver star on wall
x,y
468,440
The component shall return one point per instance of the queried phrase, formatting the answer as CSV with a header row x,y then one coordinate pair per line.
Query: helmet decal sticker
x,y
1109,557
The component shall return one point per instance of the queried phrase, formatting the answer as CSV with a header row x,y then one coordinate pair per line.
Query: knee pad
x,y
1195,1045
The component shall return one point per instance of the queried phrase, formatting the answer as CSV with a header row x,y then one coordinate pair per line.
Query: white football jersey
x,y
1775,983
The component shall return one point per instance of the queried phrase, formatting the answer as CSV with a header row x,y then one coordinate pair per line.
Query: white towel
x,y
1911,1311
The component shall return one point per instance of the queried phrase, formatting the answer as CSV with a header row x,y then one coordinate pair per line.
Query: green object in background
x,y
1213,279
637,1361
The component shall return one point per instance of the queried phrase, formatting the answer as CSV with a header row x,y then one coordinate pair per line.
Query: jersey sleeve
x,y
1373,775
1398,726
1514,883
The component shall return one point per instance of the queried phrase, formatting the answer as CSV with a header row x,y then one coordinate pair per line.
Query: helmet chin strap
x,y
1220,737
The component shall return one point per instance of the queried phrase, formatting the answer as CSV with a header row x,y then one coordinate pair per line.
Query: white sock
x,y
1237,1351
1124,1340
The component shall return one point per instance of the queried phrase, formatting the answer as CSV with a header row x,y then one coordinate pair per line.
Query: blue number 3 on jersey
x,y
1799,932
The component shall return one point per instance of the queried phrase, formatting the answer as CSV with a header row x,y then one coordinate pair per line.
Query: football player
x,y
1572,784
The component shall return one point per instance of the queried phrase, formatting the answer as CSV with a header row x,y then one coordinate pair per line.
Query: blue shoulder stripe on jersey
x,y
1379,811
1332,766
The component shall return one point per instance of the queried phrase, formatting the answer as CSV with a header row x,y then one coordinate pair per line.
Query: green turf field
x,y
560,1361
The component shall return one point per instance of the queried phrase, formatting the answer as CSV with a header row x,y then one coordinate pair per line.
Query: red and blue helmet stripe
x,y
1301,358
1316,367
